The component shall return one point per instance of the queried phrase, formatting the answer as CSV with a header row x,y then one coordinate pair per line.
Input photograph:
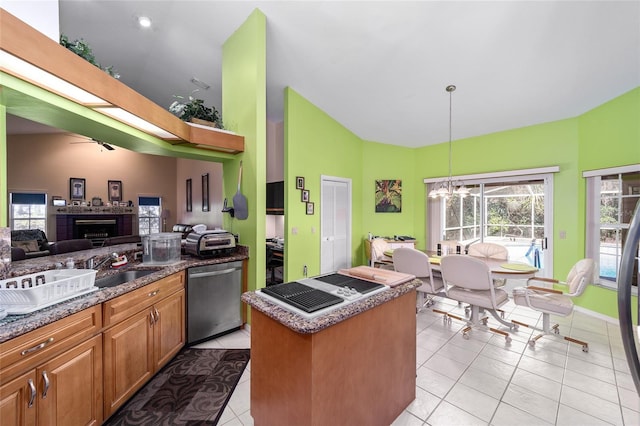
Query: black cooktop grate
x,y
340,280
302,296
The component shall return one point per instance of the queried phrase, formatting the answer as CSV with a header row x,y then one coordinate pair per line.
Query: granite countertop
x,y
16,325
303,325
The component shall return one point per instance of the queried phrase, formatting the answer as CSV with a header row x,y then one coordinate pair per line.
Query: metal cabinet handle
x,y
152,320
153,293
157,314
32,388
37,347
46,384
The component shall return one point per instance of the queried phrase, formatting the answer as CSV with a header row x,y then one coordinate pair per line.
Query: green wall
x,y
609,137
4,219
382,161
315,144
244,103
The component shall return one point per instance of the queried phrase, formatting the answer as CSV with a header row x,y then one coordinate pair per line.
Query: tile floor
x,y
484,381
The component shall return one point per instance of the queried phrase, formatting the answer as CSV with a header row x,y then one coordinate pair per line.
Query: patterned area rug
x,y
193,389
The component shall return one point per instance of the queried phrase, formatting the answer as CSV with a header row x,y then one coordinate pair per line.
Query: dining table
x,y
501,269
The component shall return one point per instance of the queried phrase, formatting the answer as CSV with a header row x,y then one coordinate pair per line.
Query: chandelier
x,y
448,187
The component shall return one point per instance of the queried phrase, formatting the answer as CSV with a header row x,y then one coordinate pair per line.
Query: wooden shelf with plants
x,y
24,42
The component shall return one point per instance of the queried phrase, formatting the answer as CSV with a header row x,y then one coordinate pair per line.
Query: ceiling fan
x,y
102,144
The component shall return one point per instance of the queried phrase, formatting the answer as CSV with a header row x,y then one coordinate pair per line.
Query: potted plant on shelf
x,y
195,111
82,49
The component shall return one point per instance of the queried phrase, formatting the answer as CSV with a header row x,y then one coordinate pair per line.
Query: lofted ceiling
x,y
380,68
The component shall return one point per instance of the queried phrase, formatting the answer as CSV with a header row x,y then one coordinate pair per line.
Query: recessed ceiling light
x,y
144,21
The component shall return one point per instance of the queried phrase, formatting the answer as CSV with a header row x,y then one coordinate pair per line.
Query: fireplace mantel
x,y
97,210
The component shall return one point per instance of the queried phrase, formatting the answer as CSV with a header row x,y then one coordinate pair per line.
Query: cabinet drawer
x,y
128,304
24,352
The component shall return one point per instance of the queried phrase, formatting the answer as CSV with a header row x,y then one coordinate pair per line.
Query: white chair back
x,y
579,276
466,272
411,261
378,247
489,251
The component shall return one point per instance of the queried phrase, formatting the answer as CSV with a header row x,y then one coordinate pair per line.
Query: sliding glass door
x,y
514,212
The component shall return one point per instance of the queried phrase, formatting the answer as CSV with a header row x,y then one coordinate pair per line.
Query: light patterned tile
x,y
591,370
472,401
629,399
545,387
407,419
484,382
507,415
501,354
552,357
541,368
424,404
531,402
624,380
568,416
630,417
604,390
591,405
449,415
446,366
493,367
433,382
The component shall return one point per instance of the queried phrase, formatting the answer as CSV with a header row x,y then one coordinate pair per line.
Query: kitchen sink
x,y
121,278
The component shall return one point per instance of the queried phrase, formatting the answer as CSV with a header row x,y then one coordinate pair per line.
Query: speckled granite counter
x,y
303,325
15,325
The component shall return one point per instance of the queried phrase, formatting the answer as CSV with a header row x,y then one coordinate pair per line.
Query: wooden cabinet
x,y
53,375
17,401
146,329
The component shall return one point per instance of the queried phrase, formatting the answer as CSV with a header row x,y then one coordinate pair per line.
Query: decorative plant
x,y
195,108
82,49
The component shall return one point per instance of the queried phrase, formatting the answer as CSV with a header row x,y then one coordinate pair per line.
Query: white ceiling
x,y
380,68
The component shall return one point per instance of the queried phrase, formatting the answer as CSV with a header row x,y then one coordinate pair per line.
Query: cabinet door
x,y
18,401
128,359
169,328
70,387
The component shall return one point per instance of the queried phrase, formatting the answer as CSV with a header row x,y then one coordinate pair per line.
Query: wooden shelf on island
x,y
24,42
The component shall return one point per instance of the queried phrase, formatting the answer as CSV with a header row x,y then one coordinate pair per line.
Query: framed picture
x,y
77,189
388,196
205,192
309,208
189,195
299,182
115,190
305,195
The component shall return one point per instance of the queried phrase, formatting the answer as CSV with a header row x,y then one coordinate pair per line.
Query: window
x,y
612,195
512,209
149,209
28,211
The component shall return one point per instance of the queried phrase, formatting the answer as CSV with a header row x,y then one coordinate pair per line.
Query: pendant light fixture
x,y
448,187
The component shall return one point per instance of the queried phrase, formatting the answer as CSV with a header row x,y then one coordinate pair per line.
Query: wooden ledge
x,y
24,42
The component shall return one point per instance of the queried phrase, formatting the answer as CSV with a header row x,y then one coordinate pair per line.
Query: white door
x,y
335,224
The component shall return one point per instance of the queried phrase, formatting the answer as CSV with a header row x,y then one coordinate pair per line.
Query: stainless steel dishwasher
x,y
213,300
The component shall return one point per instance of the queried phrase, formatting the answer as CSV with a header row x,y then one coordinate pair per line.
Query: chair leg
x,y
548,329
475,321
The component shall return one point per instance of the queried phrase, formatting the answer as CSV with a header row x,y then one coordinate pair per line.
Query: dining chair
x,y
550,301
411,261
490,251
468,280
378,257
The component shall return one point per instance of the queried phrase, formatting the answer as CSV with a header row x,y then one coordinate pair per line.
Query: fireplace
x,y
95,227
95,230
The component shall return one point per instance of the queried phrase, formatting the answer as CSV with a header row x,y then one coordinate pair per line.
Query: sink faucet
x,y
91,262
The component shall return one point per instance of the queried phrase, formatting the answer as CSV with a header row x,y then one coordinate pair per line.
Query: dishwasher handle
x,y
213,273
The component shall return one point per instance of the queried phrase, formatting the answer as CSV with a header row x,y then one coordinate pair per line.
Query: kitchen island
x,y
353,365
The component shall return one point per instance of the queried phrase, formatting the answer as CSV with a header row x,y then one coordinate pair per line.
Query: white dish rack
x,y
28,293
